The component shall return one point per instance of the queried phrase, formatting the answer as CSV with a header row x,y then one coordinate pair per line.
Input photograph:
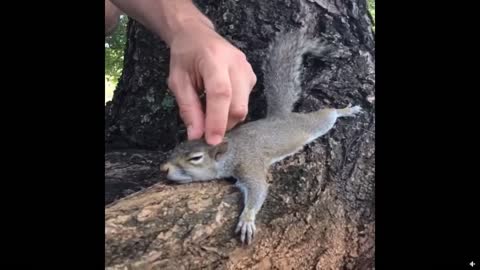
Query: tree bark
x,y
320,211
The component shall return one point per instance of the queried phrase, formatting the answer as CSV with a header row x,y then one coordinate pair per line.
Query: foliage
x,y
114,47
371,9
114,50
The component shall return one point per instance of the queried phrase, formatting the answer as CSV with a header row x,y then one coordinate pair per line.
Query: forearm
x,y
164,17
112,15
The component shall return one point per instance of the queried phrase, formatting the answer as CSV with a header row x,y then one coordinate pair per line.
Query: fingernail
x,y
215,139
191,133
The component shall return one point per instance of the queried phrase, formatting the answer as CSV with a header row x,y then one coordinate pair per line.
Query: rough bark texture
x,y
320,210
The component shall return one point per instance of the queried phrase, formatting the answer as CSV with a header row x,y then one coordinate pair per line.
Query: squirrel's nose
x,y
165,167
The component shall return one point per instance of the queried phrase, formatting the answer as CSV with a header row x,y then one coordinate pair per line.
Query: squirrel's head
x,y
194,161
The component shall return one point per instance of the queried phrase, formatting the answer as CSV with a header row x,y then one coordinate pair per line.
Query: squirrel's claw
x,y
247,230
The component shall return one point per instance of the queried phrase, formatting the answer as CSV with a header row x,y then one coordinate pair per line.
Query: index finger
x,y
219,93
189,105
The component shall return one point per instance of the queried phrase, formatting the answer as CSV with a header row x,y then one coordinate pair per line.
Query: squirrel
x,y
249,149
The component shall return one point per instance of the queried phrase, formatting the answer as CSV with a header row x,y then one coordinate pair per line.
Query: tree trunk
x,y
320,211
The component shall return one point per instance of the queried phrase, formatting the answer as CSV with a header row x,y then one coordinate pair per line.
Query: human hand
x,y
202,59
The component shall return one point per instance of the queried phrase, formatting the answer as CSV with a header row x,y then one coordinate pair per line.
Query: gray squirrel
x,y
248,150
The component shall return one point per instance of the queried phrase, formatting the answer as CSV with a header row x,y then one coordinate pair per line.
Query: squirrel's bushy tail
x,y
282,69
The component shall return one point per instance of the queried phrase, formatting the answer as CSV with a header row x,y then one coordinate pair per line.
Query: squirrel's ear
x,y
218,150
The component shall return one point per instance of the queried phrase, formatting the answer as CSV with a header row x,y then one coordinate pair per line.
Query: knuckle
x,y
185,115
184,108
172,82
249,74
254,79
239,112
221,90
212,50
240,56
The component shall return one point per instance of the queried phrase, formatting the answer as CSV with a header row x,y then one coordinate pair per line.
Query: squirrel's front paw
x,y
246,227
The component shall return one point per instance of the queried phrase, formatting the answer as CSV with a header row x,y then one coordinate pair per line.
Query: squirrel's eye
x,y
195,159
